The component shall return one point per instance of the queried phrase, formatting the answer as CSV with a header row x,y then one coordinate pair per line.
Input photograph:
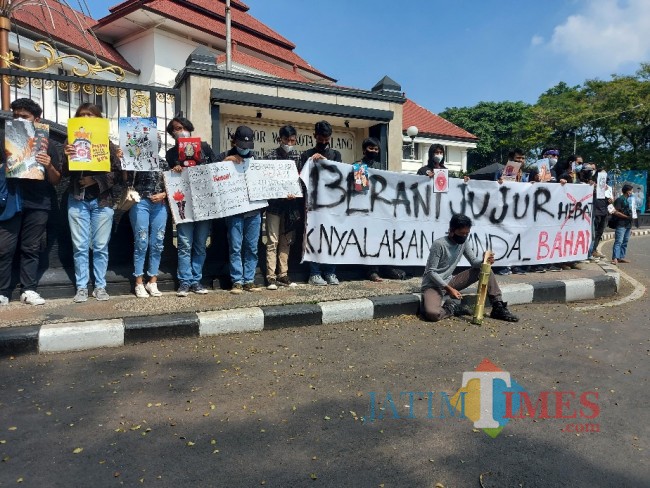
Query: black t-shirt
x,y
207,155
37,194
330,154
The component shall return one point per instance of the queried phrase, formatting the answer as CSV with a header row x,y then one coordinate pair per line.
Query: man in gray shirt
x,y
444,256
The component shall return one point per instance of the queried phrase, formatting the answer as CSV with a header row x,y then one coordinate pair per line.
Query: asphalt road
x,y
286,408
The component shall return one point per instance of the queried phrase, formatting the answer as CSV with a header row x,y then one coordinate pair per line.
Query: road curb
x,y
117,332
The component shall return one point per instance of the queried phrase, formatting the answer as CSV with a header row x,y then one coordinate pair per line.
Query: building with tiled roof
x,y
433,129
182,43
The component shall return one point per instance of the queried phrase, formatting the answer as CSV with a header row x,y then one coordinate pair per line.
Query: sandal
x,y
623,261
614,261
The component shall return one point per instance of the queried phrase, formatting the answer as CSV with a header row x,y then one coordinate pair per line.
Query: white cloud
x,y
605,36
536,41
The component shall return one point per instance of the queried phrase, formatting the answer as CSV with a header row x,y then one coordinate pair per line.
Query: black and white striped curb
x,y
75,336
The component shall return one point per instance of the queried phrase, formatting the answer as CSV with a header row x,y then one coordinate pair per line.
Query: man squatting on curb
x,y
438,281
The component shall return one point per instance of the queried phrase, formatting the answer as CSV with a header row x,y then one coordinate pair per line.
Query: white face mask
x,y
182,133
286,148
437,158
552,161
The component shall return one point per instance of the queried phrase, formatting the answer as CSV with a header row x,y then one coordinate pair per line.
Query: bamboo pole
x,y
5,27
484,277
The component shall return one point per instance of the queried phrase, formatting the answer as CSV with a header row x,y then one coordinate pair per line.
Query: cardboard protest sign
x,y
271,179
440,180
511,171
397,220
601,184
208,191
544,170
23,141
139,143
189,151
89,136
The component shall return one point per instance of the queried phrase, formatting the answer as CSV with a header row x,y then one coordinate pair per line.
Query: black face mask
x,y
371,156
458,239
322,147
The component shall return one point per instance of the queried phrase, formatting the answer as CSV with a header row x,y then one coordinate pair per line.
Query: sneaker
x,y
100,294
574,266
518,270
285,281
81,295
317,280
500,312
598,254
237,289
331,279
30,297
141,291
4,300
395,274
537,269
153,290
565,267
553,268
183,290
272,284
449,307
252,287
199,289
503,271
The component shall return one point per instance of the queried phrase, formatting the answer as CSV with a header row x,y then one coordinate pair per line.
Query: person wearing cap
x,y
282,217
244,228
321,151
191,236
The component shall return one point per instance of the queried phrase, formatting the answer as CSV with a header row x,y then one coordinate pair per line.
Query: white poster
x,y
209,191
440,180
139,143
396,220
272,179
601,184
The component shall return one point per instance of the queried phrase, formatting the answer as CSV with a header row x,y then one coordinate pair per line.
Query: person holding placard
x,y
243,229
29,222
191,236
90,212
279,214
321,151
603,198
148,220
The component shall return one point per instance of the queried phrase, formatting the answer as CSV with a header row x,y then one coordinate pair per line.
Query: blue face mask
x,y
244,153
578,168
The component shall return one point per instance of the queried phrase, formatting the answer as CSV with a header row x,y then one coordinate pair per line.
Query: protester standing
x,y
321,151
191,236
623,217
280,214
90,215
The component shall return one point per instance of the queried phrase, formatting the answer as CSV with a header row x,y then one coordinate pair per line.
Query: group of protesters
x,y
25,206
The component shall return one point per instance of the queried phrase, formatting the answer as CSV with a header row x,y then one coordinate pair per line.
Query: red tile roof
x,y
265,66
430,123
208,16
71,28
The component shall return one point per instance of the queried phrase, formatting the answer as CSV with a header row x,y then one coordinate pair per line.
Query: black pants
x,y
27,226
600,221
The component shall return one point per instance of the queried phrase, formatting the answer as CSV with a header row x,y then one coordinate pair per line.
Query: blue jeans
x,y
90,225
621,236
243,237
148,221
315,268
191,237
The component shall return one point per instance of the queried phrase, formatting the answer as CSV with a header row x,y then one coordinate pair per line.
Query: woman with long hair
x,y
90,215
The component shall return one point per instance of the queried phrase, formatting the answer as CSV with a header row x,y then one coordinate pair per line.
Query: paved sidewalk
x,y
61,325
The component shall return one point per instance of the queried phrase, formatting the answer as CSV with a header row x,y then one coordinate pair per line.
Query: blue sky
x,y
459,52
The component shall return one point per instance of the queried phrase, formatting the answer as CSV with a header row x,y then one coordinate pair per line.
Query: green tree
x,y
500,126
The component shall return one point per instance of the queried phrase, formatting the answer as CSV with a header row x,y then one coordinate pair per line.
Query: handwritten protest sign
x,y
272,179
209,191
395,222
601,184
23,141
89,136
139,143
